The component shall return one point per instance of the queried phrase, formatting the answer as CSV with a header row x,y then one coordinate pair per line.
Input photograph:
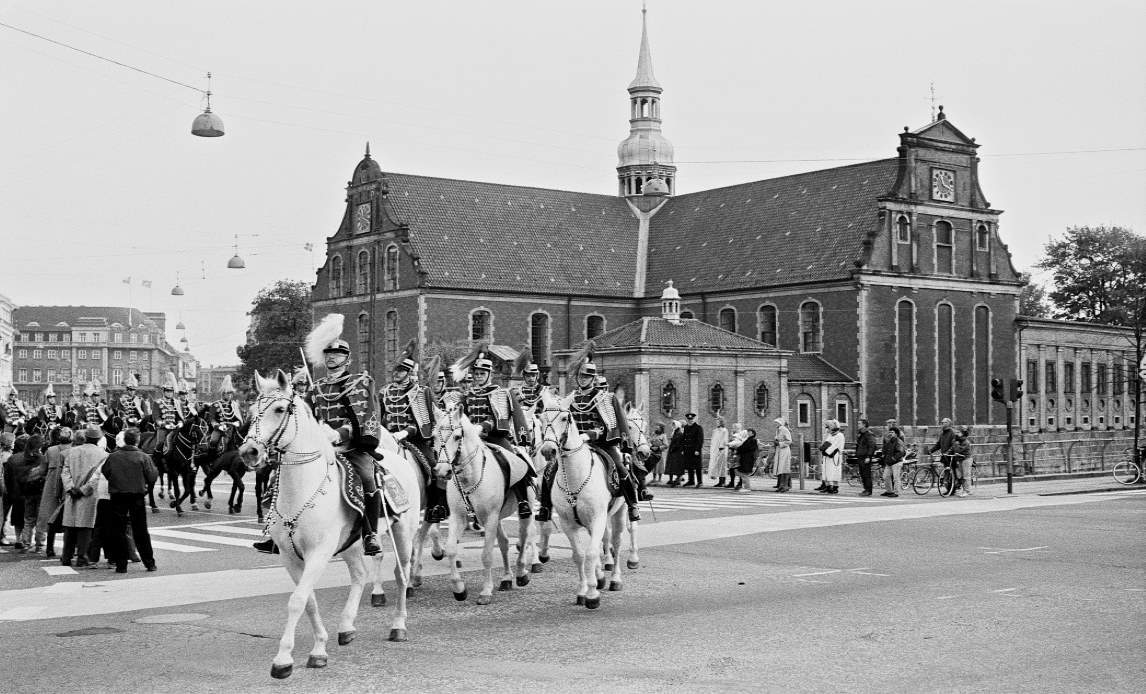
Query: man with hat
x,y
439,386
300,381
13,413
134,409
530,390
601,419
166,416
187,407
497,412
346,403
408,415
691,443
93,413
225,416
51,414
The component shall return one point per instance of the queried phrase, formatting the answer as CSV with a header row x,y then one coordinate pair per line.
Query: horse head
x,y
276,416
453,435
638,431
556,425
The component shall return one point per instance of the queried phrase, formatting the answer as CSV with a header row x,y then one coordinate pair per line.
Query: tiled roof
x,y
475,235
688,333
812,367
49,317
806,227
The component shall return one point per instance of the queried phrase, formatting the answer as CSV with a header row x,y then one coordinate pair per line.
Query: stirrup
x,y
370,545
436,514
524,510
643,495
634,514
544,513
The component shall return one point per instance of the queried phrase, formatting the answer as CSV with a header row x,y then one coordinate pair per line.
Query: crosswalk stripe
x,y
200,537
174,547
234,529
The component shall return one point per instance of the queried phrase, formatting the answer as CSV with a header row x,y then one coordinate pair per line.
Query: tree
x,y
1033,301
280,320
1099,275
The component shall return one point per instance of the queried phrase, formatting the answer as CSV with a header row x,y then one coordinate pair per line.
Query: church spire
x,y
645,154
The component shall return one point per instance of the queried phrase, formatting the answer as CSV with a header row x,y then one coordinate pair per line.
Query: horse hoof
x,y
484,599
409,592
461,597
523,580
608,568
160,493
231,510
171,503
281,672
614,585
238,509
415,581
206,505
458,563
543,558
397,634
505,585
345,637
600,583
378,600
179,512
316,661
195,507
535,568
437,555
592,603
580,599
633,564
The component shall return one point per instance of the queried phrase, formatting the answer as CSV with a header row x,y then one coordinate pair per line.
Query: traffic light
x,y
997,390
1016,389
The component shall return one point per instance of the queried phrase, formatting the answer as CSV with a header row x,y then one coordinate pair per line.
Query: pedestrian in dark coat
x,y
867,444
31,480
13,501
746,459
129,473
675,466
692,442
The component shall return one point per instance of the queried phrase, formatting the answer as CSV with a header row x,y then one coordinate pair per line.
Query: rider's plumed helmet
x,y
326,337
169,382
582,363
476,360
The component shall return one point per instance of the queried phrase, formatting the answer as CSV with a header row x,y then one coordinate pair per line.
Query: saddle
x,y
612,478
513,467
393,493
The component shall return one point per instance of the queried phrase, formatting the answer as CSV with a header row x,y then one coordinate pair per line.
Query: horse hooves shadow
x,y
438,556
461,597
633,564
505,585
409,592
615,585
592,603
178,511
206,505
543,558
378,600
580,599
398,635
600,583
281,672
459,563
316,661
536,568
484,599
345,637
523,580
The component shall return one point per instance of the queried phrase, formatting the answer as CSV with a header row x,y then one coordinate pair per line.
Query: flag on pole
x,y
127,280
146,283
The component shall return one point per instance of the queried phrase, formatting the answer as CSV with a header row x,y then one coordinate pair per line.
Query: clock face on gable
x,y
943,185
362,218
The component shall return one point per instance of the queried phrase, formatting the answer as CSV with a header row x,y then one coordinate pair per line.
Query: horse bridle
x,y
274,442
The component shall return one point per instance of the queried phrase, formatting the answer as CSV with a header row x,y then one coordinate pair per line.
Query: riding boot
x,y
545,510
266,546
719,482
521,491
436,507
629,490
642,488
370,545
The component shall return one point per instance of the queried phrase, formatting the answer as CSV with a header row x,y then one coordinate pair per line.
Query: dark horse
x,y
187,443
224,457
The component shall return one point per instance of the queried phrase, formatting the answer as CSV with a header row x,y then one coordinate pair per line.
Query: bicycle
x,y
1127,472
947,481
925,476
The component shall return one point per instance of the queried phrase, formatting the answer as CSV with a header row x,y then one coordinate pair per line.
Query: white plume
x,y
328,330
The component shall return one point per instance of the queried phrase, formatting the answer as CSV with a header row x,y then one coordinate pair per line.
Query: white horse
x,y
611,547
309,521
581,497
478,486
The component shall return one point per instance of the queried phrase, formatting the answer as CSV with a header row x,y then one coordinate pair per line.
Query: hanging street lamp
x,y
207,124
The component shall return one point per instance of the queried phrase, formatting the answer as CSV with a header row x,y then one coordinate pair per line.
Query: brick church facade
x,y
892,272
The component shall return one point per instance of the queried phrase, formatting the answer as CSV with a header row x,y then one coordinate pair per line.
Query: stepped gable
x,y
801,228
474,235
811,368
687,333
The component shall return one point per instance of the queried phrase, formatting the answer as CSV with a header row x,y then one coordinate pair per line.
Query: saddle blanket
x,y
518,465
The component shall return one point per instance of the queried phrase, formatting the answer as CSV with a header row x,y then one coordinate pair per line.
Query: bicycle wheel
x,y
1126,472
974,477
922,480
946,482
854,477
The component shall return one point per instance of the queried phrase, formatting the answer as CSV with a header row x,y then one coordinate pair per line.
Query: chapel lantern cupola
x,y
645,154
670,304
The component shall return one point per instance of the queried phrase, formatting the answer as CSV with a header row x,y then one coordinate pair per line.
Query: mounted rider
x,y
528,394
497,412
50,414
186,406
300,382
408,415
93,413
166,416
601,421
346,403
439,386
14,413
225,417
130,406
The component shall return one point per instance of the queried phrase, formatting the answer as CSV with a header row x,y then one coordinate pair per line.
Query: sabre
x,y
390,534
306,367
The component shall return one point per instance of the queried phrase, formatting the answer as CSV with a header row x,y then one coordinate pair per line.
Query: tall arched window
x,y
336,276
668,399
594,326
362,278
728,319
982,238
811,332
390,271
983,365
539,337
760,400
944,248
766,321
363,340
481,322
945,362
391,338
903,229
905,361
716,398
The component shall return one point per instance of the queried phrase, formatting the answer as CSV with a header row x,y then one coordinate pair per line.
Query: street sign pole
x,y
1010,450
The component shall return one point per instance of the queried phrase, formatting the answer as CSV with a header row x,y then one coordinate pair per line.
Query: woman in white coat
x,y
832,457
782,467
718,452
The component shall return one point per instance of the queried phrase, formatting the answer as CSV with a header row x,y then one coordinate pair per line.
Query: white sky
x,y
101,178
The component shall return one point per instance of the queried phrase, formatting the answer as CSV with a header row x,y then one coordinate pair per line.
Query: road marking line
x,y
811,580
997,550
59,570
819,573
866,573
254,532
200,537
1003,590
172,547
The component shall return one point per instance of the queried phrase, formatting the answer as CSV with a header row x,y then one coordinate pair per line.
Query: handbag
x,y
827,449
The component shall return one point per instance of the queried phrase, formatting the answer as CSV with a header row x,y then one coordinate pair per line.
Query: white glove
x,y
585,437
401,435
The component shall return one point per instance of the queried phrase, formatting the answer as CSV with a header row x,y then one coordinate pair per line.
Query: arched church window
x,y
594,326
539,337
760,400
766,318
728,319
903,229
716,398
336,276
480,324
362,278
811,334
982,238
390,271
944,248
391,344
668,399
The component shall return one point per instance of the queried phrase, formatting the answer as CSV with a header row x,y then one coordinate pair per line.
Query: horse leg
x,y
543,544
437,551
174,493
457,526
634,561
305,575
206,496
151,497
359,574
595,577
579,541
506,582
417,546
617,521
189,485
526,549
489,522
318,656
402,567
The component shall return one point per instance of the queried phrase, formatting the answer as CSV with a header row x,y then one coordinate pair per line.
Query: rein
x,y
549,434
458,464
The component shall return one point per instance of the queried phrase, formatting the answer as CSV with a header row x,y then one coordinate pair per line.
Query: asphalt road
x,y
735,593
